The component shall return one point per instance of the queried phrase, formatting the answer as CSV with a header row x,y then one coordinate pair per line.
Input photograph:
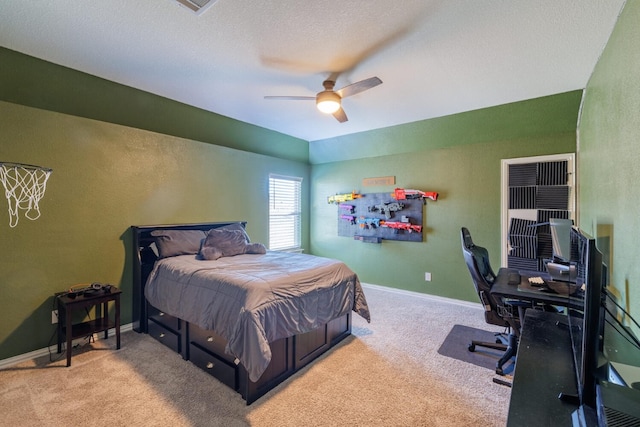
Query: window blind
x,y
285,193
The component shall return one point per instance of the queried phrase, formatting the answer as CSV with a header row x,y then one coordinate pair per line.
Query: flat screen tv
x,y
587,324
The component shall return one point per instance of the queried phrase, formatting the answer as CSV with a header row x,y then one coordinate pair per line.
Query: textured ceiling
x,y
435,57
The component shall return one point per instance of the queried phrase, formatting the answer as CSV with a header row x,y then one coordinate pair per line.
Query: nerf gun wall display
x,y
369,217
345,197
404,194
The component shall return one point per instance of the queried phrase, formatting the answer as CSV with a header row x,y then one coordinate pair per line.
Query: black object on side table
x,y
84,299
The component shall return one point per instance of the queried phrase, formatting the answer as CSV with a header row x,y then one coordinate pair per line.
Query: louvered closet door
x,y
534,189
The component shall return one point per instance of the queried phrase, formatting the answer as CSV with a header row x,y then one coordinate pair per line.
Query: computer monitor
x,y
561,238
562,267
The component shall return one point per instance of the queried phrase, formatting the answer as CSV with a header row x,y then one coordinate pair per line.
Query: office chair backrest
x,y
477,260
480,257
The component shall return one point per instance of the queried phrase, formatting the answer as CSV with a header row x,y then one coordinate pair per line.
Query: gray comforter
x,y
252,300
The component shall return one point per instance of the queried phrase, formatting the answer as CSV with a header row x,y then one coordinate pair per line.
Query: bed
x,y
248,316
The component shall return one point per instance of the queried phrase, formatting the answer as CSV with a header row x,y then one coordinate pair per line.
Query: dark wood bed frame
x,y
205,348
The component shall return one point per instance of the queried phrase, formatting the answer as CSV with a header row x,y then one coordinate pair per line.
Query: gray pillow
x,y
178,242
224,242
235,226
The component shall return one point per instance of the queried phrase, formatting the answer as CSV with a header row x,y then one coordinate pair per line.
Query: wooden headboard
x,y
144,258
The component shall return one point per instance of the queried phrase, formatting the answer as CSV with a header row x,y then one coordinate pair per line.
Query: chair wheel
x,y
471,347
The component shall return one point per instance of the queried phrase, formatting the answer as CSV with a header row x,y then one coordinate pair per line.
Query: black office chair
x,y
497,312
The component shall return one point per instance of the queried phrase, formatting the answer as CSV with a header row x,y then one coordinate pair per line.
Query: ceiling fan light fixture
x,y
328,101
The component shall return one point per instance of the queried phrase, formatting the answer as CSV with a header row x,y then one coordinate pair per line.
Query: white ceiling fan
x,y
329,101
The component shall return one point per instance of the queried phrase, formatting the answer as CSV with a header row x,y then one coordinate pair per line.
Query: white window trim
x,y
292,212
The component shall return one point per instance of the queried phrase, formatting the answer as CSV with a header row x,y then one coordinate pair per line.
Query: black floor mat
x,y
456,345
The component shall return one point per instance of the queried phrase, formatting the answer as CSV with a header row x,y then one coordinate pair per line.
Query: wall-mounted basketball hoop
x,y
24,186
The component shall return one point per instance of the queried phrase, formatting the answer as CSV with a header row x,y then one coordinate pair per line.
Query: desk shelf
x,y
90,327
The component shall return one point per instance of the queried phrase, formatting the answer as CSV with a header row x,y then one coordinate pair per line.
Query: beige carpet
x,y
387,374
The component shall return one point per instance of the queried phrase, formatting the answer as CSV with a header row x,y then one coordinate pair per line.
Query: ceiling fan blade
x,y
340,115
358,87
292,98
334,76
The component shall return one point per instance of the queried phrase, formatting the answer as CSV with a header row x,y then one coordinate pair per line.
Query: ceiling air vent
x,y
196,6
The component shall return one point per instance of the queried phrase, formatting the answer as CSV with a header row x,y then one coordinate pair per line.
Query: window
x,y
284,212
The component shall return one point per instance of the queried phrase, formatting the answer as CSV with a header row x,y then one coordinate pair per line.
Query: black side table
x,y
69,303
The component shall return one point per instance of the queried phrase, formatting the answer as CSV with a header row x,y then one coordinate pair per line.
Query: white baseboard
x,y
424,296
11,361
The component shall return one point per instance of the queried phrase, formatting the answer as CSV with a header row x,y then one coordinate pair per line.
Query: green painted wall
x,y
608,155
30,81
533,118
464,167
107,177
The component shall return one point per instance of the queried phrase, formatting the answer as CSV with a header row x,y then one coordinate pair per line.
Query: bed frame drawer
x,y
163,318
165,336
210,341
223,371
310,345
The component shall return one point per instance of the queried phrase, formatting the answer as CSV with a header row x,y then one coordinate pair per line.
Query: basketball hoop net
x,y
24,186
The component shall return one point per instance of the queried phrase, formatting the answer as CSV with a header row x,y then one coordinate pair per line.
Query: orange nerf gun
x,y
404,194
401,225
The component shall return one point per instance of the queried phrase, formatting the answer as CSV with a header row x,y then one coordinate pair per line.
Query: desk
x,y
545,366
525,292
544,369
544,362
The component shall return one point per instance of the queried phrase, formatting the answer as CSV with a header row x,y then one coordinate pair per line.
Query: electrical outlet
x,y
54,317
427,277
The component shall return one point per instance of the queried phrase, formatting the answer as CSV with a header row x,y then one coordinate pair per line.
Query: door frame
x,y
504,192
